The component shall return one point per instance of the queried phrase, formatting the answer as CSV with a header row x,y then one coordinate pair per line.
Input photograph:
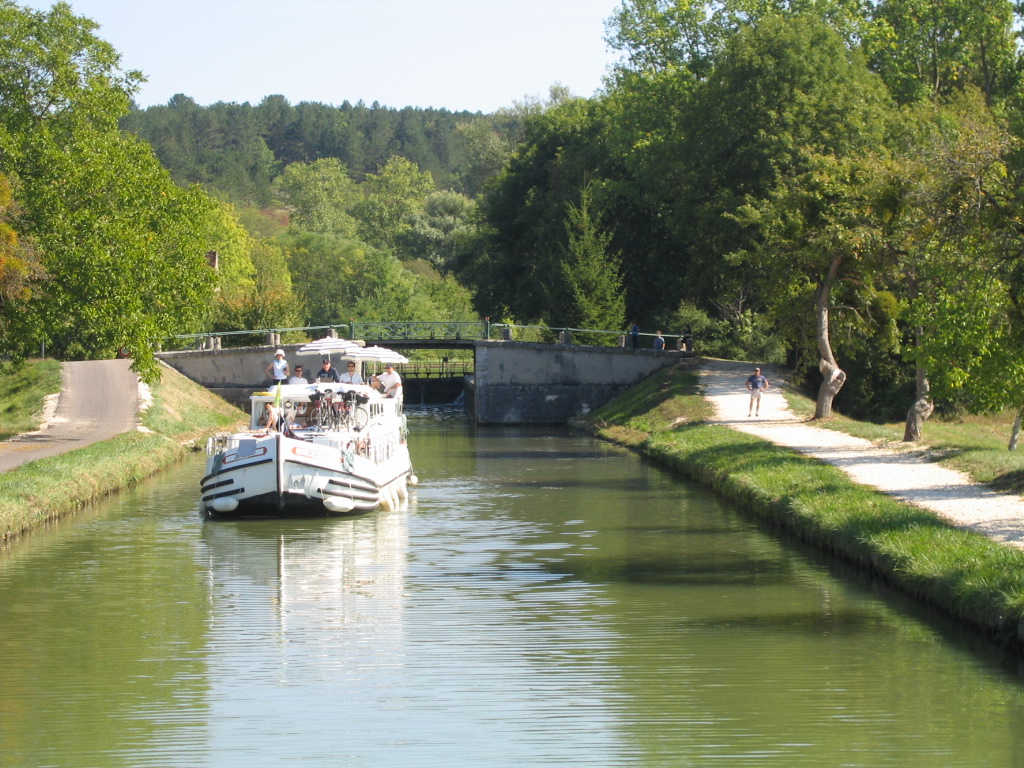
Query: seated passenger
x,y
327,373
389,382
351,376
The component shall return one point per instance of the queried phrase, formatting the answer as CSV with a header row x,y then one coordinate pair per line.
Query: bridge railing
x,y
419,331
412,331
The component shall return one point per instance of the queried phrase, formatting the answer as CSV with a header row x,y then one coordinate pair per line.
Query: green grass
x,y
971,577
22,393
181,415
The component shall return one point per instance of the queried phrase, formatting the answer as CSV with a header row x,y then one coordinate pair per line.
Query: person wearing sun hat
x,y
277,369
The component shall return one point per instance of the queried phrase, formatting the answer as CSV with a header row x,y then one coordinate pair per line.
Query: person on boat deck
x,y
328,373
389,382
270,416
277,369
299,377
351,376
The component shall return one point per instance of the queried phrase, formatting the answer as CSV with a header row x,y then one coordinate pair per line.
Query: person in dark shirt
x,y
328,372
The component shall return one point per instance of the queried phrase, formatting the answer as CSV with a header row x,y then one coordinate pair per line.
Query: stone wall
x,y
522,383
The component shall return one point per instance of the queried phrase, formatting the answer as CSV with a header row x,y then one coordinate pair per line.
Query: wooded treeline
x,y
238,150
833,183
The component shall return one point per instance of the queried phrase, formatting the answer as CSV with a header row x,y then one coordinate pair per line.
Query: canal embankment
x,y
175,421
958,571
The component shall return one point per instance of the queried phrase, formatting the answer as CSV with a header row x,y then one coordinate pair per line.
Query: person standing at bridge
x,y
659,341
756,384
634,336
352,375
277,369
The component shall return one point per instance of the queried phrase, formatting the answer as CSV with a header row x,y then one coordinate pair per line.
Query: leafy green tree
x,y
20,270
930,49
787,117
119,241
442,230
591,272
953,233
319,196
341,279
390,198
519,266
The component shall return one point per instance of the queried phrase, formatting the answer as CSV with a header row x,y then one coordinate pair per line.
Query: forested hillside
x,y
237,150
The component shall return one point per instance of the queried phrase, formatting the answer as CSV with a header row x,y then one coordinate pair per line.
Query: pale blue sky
x,y
477,55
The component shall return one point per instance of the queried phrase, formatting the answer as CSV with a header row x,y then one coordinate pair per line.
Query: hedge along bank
x,y
966,575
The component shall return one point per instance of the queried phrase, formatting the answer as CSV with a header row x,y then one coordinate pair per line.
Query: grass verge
x,y
969,576
182,413
22,393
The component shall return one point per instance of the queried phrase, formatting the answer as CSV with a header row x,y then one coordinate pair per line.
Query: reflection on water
x,y
546,600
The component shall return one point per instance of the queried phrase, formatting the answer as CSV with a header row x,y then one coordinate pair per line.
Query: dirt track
x,y
99,399
901,474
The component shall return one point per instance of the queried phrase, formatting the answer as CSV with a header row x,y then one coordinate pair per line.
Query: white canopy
x,y
327,346
370,354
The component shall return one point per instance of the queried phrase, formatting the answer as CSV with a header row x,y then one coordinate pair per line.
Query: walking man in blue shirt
x,y
756,384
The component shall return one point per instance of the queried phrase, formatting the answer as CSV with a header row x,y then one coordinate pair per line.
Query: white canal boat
x,y
323,448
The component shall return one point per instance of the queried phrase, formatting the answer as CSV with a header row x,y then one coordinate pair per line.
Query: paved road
x,y
99,399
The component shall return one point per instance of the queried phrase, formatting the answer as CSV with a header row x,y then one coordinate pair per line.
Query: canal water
x,y
547,600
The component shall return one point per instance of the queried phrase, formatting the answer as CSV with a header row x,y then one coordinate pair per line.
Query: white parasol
x,y
378,354
327,346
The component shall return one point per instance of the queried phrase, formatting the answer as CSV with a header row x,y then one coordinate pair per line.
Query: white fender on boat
x,y
224,504
338,504
413,480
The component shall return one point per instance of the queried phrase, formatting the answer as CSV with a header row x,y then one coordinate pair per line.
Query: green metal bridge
x,y
412,335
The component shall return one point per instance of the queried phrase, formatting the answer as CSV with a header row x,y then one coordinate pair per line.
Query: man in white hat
x,y
277,369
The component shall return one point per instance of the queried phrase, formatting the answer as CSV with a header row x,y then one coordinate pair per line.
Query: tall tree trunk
x,y
923,406
1015,432
920,410
833,377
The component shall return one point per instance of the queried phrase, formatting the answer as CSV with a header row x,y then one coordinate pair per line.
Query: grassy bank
x,y
964,574
22,394
181,414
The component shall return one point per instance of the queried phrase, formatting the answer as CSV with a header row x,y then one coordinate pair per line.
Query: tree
x,y
930,49
789,118
958,231
390,197
590,272
441,230
319,196
118,239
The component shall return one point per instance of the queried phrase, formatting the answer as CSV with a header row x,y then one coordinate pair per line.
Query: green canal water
x,y
547,600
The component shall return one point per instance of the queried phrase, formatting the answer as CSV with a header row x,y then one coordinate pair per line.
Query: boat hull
x,y
273,474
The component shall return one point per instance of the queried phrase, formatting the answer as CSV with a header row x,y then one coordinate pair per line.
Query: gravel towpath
x,y
904,475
